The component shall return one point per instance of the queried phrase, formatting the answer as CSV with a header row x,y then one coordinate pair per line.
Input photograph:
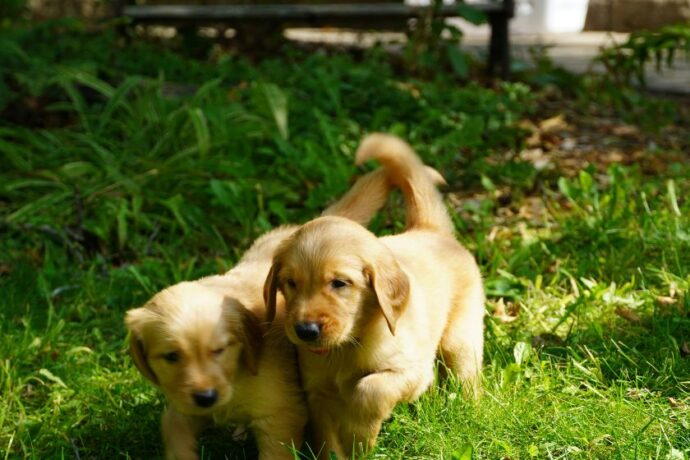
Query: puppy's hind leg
x,y
462,343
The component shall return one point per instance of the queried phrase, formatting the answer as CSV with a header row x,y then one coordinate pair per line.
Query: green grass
x,y
117,178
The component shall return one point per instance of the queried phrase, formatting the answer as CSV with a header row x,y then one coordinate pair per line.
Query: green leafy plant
x,y
12,9
627,61
434,44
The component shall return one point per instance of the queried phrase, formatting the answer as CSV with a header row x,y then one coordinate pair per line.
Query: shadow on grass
x,y
649,352
137,435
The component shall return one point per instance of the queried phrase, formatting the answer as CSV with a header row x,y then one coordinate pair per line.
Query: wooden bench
x,y
358,16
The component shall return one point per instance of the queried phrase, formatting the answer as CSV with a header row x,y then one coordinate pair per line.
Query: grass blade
x,y
203,136
275,101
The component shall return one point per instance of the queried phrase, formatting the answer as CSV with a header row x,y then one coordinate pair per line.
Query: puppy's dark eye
x,y
218,351
291,283
172,357
338,283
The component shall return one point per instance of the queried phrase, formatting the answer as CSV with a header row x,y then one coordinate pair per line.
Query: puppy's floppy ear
x,y
248,329
135,320
271,291
391,286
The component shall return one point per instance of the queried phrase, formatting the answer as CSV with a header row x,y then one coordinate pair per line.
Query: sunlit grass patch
x,y
150,168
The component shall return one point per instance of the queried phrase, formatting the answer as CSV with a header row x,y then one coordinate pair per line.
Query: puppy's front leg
x,y
324,428
180,433
374,397
278,438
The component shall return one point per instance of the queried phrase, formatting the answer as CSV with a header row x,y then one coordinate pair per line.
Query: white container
x,y
549,16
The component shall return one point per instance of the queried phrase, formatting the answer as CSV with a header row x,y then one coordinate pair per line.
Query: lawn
x,y
126,167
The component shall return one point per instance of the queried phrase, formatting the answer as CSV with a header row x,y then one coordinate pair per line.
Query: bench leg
x,y
499,47
117,7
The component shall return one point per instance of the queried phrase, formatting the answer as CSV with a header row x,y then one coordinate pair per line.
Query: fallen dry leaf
x,y
568,144
625,130
492,234
235,93
665,300
627,314
499,232
552,124
527,125
501,314
555,266
534,138
673,402
409,88
533,210
551,141
28,391
637,393
612,156
536,157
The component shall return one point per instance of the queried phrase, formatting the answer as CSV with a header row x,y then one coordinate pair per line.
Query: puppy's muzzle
x,y
308,331
205,398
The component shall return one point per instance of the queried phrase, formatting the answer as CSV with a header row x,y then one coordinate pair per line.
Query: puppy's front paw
x,y
373,397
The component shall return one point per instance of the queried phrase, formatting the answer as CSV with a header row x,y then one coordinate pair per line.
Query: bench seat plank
x,y
358,16
294,12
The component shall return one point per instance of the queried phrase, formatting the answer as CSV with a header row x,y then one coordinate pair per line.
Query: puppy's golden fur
x,y
196,338
385,307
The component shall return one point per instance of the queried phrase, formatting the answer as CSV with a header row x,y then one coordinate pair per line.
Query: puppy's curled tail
x,y
369,194
425,207
366,197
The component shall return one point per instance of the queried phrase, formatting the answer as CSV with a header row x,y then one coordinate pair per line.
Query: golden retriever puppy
x,y
369,315
207,346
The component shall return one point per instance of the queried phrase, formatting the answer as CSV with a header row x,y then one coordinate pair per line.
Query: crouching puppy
x,y
370,315
208,353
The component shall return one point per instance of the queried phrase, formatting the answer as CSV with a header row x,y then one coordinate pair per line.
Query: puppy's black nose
x,y
308,331
205,398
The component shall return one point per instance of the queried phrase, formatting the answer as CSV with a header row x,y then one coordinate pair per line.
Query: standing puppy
x,y
206,345
370,315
